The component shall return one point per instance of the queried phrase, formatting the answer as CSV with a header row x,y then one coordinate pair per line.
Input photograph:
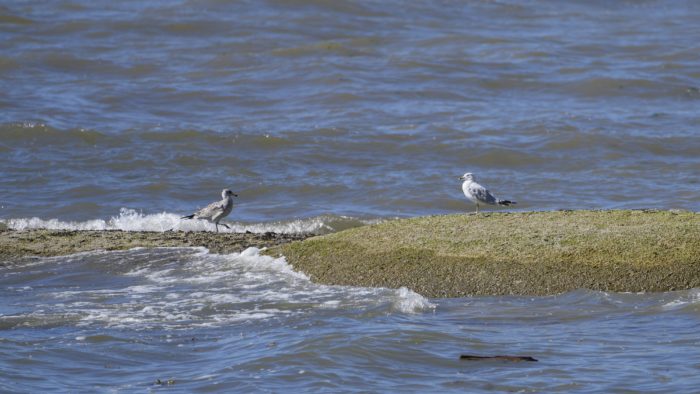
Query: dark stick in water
x,y
504,358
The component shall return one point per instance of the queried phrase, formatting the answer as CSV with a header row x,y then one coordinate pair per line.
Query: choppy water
x,y
356,108
323,115
121,321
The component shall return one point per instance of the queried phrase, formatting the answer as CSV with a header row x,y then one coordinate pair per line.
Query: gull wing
x,y
210,210
482,194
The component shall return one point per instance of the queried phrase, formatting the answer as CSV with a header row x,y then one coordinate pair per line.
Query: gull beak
x,y
460,177
235,195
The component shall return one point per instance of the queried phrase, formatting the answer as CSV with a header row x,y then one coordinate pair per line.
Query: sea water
x,y
324,115
143,319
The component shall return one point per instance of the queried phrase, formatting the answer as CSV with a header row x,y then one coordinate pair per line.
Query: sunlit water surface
x,y
324,115
195,321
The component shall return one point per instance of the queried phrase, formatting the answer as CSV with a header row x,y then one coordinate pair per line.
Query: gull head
x,y
467,177
228,193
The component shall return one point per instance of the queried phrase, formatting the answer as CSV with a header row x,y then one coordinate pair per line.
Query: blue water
x,y
323,115
366,109
123,321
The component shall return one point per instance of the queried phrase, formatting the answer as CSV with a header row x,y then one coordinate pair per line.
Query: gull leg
x,y
225,225
477,207
217,227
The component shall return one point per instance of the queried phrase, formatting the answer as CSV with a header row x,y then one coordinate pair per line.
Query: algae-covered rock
x,y
531,253
15,245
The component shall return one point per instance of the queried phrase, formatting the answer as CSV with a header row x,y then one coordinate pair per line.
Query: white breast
x,y
467,192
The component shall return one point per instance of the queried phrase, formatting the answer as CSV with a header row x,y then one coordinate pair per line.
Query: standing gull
x,y
479,194
216,211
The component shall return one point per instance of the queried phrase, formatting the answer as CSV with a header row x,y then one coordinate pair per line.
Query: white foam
x,y
408,301
132,220
181,288
690,297
253,257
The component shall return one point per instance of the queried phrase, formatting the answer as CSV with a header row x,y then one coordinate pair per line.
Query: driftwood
x,y
470,357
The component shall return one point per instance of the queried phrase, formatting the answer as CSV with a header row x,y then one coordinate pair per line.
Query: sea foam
x,y
132,220
182,288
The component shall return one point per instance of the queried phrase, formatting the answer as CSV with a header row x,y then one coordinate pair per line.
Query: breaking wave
x,y
182,288
131,220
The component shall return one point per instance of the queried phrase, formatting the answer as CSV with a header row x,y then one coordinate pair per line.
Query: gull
x,y
217,210
479,194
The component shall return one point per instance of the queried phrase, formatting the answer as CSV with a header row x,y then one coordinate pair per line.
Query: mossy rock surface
x,y
18,245
531,253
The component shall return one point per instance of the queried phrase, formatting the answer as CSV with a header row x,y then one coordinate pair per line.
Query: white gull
x,y
479,194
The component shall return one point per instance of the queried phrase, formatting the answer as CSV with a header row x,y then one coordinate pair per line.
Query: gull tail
x,y
506,202
188,217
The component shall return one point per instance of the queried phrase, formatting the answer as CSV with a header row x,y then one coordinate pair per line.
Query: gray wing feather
x,y
210,210
482,194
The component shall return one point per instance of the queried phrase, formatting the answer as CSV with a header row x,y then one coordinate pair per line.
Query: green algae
x,y
18,245
523,253
529,253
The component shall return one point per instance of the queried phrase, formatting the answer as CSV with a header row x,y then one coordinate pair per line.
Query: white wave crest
x,y
181,288
408,301
131,220
686,298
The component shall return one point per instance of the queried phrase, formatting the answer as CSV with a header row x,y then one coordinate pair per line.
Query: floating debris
x,y
470,357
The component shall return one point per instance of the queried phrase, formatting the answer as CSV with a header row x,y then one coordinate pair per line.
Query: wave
x,y
684,299
39,133
132,220
184,288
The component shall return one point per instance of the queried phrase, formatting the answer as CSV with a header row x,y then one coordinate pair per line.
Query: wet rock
x,y
522,253
18,245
